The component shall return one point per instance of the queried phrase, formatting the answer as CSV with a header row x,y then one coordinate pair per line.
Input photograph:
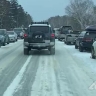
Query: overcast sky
x,y
43,9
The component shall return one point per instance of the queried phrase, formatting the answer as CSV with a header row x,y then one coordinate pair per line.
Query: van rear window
x,y
39,29
90,34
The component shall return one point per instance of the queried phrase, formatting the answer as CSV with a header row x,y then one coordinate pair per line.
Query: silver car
x,y
93,51
70,38
12,36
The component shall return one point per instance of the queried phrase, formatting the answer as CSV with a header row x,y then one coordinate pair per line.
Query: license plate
x,y
47,41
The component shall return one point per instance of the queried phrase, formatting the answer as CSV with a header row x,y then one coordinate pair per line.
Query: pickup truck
x,y
70,38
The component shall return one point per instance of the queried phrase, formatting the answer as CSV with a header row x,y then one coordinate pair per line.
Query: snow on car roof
x,y
92,27
40,25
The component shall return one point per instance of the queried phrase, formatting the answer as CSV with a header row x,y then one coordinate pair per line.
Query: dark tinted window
x,y
65,29
90,34
75,32
18,29
39,29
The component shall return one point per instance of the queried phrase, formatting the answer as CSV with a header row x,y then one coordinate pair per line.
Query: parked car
x,y
70,38
20,32
63,31
56,31
12,36
39,35
4,38
85,40
93,49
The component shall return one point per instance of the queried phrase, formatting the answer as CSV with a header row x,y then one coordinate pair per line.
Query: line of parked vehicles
x,y
10,36
83,40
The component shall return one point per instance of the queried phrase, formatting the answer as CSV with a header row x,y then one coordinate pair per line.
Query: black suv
x,y
39,35
85,40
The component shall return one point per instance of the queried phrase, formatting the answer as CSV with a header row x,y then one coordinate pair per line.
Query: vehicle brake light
x,y
87,39
25,35
52,35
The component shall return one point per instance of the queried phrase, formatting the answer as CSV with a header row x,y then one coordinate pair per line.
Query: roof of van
x,y
91,27
39,25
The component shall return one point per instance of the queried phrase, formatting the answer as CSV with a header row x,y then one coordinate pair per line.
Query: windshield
x,y
39,29
66,29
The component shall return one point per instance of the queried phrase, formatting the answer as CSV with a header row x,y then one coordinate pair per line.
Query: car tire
x,y
26,51
76,47
67,43
52,51
93,53
8,42
81,49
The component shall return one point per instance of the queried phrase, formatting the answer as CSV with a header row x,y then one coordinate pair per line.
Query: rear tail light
x,y
25,35
87,39
52,35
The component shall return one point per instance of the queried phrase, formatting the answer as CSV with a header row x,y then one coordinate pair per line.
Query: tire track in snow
x,y
45,81
12,87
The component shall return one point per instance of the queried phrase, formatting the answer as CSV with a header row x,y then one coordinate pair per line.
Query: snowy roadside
x,y
84,56
83,60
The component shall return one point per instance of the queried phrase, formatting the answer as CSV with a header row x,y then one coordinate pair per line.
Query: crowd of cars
x,y
83,40
10,36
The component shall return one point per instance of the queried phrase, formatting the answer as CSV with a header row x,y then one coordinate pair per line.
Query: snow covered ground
x,y
83,60
67,73
83,56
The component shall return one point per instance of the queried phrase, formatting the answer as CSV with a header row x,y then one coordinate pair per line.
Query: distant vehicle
x,y
56,31
85,40
39,36
12,36
93,49
63,31
70,38
20,32
4,38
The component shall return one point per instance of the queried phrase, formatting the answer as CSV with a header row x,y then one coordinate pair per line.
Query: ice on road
x,y
67,73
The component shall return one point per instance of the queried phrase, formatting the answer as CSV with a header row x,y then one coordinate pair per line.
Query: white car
x,y
12,36
93,51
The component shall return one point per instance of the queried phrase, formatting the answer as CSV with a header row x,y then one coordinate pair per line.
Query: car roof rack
x,y
39,23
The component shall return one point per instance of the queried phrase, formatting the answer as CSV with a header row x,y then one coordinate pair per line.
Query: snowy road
x,y
67,73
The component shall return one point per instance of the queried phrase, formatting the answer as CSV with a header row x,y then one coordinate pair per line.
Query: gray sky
x,y
43,9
